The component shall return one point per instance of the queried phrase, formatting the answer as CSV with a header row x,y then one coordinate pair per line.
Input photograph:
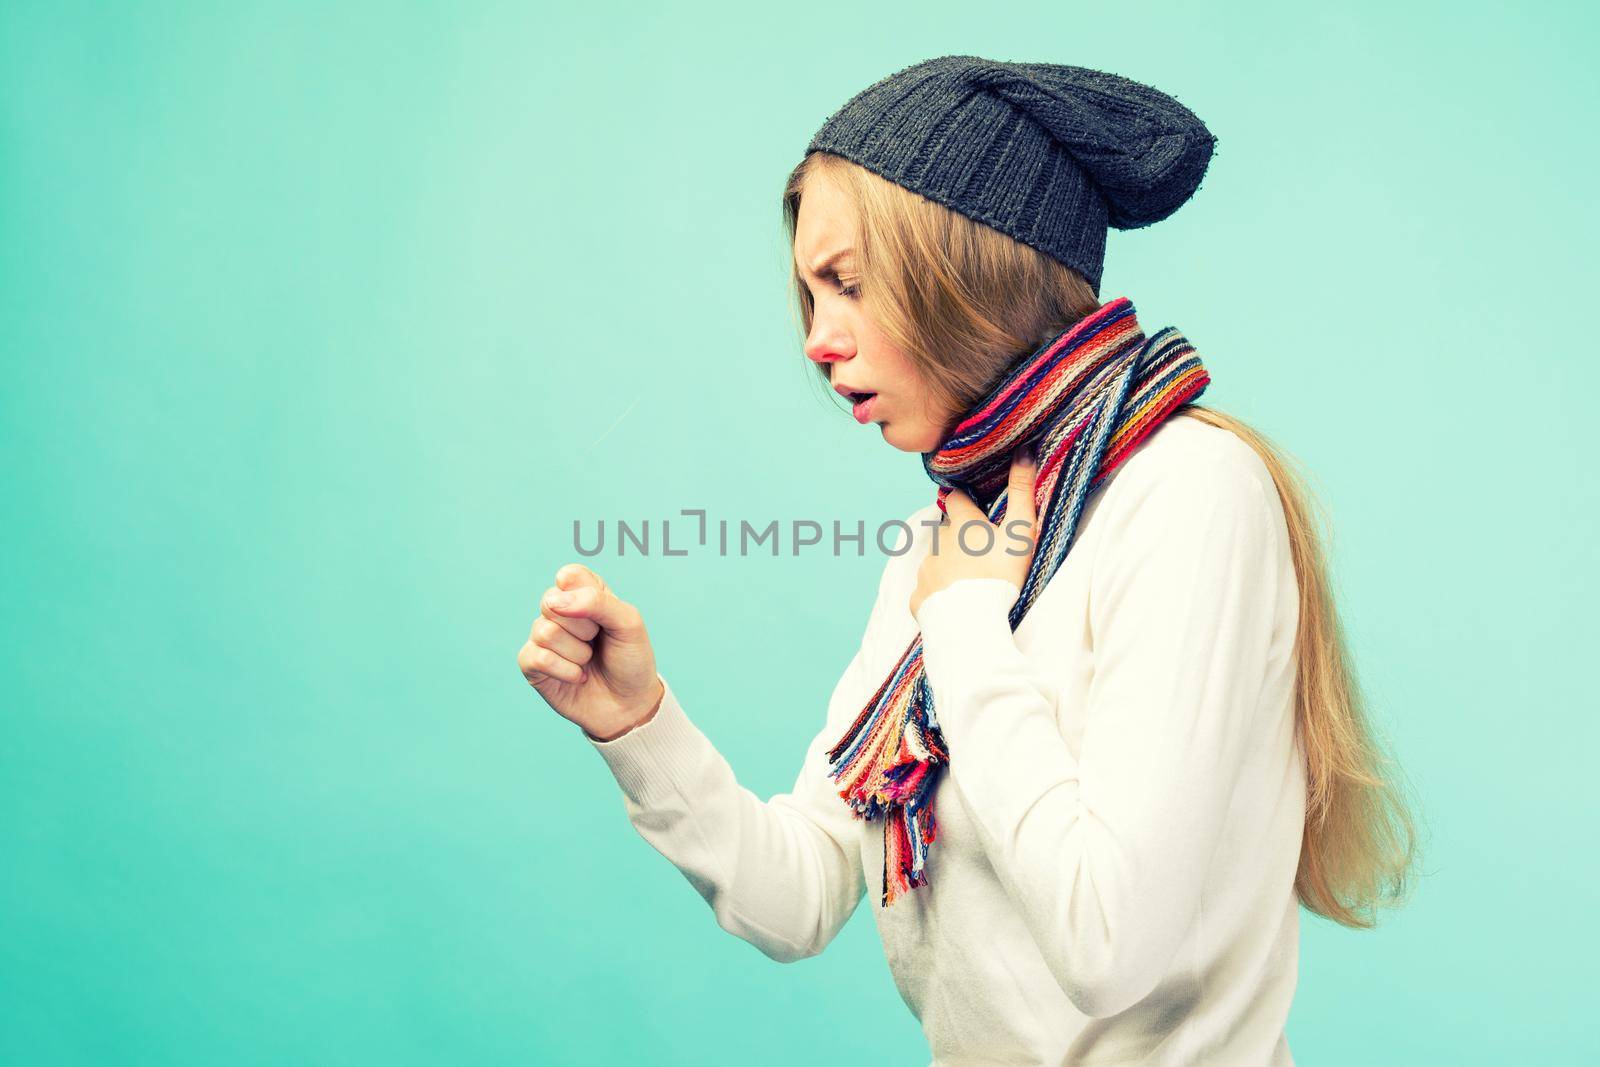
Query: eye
x,y
849,291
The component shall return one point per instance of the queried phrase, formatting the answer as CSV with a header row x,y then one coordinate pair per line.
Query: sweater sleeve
x,y
783,874
1105,851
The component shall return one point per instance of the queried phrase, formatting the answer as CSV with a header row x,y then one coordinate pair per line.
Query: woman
x,y
1089,762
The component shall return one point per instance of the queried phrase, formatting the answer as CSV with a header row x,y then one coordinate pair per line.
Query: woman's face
x,y
860,359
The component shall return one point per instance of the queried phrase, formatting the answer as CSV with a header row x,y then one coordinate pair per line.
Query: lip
x,y
861,409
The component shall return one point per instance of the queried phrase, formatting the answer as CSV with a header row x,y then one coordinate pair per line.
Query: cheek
x,y
914,396
901,374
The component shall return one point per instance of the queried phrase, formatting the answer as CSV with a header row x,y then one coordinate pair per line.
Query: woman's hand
x,y
964,550
590,658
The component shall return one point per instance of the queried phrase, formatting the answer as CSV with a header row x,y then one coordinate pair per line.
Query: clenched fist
x,y
590,658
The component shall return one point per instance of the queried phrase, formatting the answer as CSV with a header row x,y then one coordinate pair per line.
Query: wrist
x,y
637,720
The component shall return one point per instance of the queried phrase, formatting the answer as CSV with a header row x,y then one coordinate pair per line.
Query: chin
x,y
915,440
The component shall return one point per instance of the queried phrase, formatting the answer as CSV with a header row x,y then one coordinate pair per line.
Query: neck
x,y
1039,401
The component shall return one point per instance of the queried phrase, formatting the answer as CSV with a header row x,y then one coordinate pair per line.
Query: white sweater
x,y
1119,825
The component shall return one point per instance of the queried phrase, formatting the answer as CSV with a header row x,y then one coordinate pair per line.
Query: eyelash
x,y
844,290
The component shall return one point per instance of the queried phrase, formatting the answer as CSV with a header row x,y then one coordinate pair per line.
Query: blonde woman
x,y
1101,740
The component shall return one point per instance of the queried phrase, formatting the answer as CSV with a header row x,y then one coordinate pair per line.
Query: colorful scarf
x,y
1084,400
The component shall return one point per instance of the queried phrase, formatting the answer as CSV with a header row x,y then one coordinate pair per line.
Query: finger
x,y
959,507
967,523
552,635
576,576
570,578
1020,488
581,628
951,516
540,664
614,615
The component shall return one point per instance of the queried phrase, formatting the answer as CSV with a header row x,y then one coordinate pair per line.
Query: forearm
x,y
772,871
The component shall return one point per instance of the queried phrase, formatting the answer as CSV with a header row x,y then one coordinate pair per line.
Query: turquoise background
x,y
321,326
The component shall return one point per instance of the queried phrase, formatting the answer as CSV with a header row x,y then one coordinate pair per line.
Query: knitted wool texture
x,y
1083,400
1048,153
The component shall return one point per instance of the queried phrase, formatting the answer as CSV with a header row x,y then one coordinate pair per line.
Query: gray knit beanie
x,y
1049,154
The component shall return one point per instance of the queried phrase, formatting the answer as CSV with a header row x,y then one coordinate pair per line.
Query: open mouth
x,y
861,405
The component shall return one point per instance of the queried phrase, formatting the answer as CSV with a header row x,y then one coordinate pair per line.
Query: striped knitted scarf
x,y
1084,400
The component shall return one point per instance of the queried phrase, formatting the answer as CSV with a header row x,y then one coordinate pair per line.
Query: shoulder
x,y
1191,489
1178,462
1184,443
1185,459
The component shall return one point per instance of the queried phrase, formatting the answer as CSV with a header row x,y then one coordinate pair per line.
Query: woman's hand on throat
x,y
967,545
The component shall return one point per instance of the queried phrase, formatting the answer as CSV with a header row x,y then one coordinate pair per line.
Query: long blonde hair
x,y
963,300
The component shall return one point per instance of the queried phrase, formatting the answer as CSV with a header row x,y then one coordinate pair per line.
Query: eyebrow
x,y
818,271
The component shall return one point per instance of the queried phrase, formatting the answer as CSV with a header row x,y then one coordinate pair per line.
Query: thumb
x,y
601,606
